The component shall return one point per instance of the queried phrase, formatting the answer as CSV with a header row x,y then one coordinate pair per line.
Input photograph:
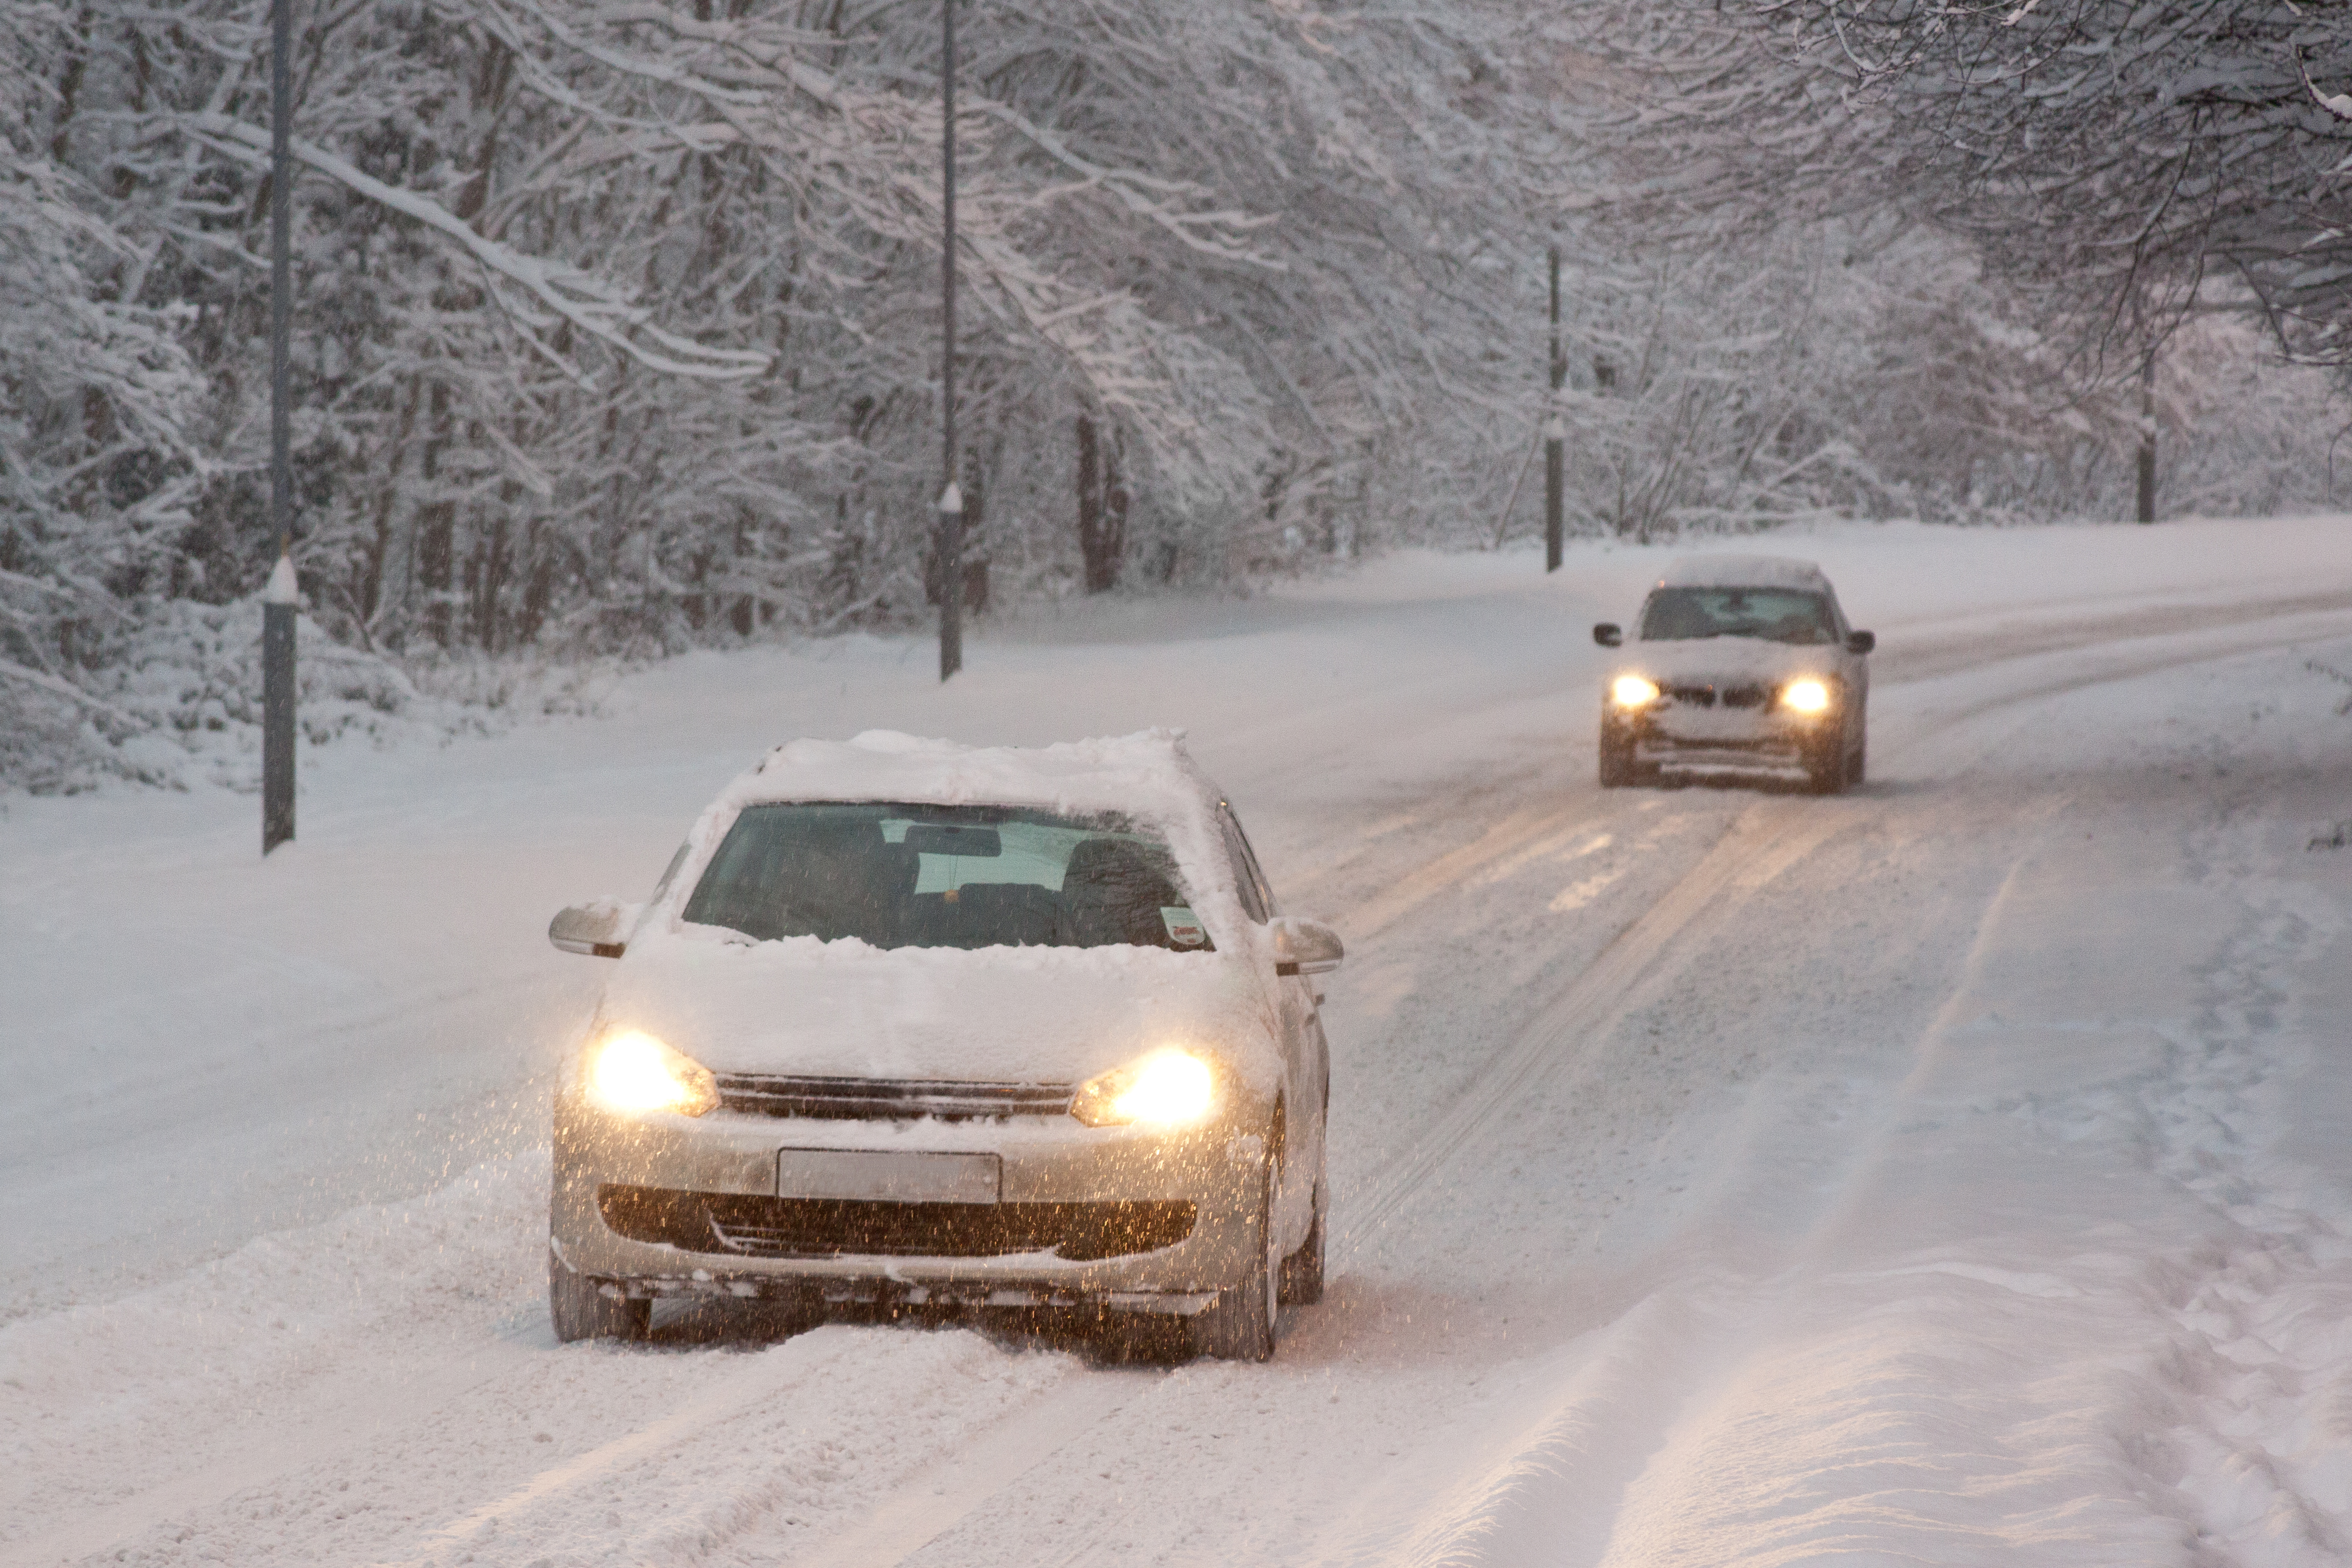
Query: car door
x,y
1854,671
1306,1058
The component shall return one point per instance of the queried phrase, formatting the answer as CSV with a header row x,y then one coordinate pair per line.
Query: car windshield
x,y
1775,615
946,875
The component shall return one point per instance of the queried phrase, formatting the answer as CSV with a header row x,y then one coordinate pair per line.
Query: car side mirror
x,y
1609,634
1861,642
597,930
1305,947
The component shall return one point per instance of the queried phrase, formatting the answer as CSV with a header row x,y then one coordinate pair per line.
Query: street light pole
x,y
1555,449
278,614
950,503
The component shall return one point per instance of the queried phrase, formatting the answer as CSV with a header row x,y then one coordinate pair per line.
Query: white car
x,y
1742,664
914,1023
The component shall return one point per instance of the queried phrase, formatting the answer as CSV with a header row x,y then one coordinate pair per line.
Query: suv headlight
x,y
1166,1088
1633,692
1806,696
635,1073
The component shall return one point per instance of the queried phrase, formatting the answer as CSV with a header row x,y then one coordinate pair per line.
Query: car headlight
x,y
635,1073
1632,691
1166,1088
1806,696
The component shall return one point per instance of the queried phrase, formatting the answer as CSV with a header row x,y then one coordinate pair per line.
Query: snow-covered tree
x,y
97,466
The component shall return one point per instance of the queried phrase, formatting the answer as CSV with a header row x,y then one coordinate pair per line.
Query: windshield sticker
x,y
1184,927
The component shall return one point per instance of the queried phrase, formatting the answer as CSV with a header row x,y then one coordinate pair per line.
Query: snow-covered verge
x,y
1950,1171
180,705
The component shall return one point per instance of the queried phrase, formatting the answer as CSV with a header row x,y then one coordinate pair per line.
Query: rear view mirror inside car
x,y
947,838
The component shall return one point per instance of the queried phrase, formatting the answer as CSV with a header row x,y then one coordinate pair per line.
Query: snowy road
x,y
1949,1171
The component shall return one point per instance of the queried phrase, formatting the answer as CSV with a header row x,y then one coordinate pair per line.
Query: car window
x,y
661,889
1256,894
1774,614
939,876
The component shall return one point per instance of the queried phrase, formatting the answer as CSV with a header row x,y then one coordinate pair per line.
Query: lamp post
x,y
279,608
1555,435
951,502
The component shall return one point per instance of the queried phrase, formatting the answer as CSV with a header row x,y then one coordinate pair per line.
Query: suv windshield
x,y
946,875
1775,615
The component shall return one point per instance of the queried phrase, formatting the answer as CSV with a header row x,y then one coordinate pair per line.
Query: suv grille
x,y
887,1099
1694,694
753,1227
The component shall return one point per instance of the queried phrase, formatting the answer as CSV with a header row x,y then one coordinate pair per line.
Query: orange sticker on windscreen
x,y
1184,928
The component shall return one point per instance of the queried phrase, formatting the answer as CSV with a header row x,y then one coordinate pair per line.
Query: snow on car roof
x,y
1743,572
1148,772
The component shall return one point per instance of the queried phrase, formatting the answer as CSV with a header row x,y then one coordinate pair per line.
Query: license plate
x,y
887,1175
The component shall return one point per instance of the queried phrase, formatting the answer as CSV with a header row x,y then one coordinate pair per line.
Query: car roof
x,y
1728,571
1147,774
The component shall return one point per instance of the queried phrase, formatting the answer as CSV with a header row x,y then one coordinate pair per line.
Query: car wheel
x,y
1302,1272
1240,1326
1825,767
580,1310
1618,768
1854,774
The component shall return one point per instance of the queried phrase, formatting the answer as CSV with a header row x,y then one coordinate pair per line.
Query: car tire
x,y
1618,768
1302,1272
578,1307
1240,1326
1825,767
1855,773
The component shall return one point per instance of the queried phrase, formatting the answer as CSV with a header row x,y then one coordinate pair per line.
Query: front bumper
x,y
1666,735
668,1205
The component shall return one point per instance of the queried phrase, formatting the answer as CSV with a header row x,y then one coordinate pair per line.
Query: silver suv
x,y
1743,664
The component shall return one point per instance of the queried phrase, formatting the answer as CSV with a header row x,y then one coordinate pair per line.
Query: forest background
x,y
617,323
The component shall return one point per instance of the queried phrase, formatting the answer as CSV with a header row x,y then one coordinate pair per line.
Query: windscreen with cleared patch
x,y
1774,614
939,876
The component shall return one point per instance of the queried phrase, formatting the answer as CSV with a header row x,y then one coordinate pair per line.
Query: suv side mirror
x,y
1609,634
1861,642
1305,947
595,929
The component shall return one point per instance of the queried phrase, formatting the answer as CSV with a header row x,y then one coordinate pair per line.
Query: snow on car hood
x,y
1036,1015
1723,660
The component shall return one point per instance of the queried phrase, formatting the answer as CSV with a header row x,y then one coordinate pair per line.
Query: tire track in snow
x,y
708,1410
1528,831
1765,841
935,1499
338,1430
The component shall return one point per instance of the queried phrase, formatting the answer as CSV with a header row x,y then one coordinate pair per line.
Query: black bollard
x,y
279,604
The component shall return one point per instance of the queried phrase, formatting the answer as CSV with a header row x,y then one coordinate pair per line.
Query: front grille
x,y
1742,697
1692,695
888,1099
751,1227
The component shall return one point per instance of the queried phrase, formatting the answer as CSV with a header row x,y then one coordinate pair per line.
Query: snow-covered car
x,y
911,1022
1743,664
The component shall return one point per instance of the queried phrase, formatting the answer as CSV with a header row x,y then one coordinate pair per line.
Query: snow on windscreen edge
x,y
1149,775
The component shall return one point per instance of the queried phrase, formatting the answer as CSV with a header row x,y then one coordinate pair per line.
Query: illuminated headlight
x,y
1166,1088
1632,691
635,1073
1807,696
